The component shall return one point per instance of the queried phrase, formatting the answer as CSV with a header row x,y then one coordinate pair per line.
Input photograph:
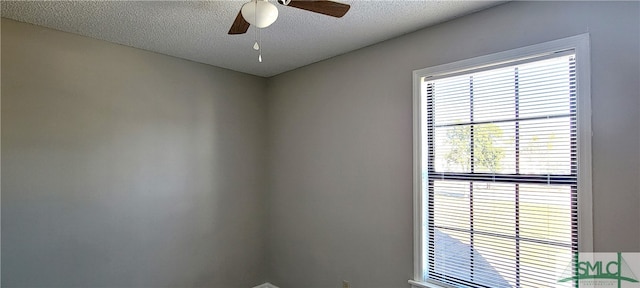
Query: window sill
x,y
417,284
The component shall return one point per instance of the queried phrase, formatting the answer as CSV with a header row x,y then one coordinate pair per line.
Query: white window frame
x,y
580,45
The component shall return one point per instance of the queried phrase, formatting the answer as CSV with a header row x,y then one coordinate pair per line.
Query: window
x,y
502,167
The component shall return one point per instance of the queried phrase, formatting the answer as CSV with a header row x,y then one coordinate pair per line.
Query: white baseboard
x,y
266,285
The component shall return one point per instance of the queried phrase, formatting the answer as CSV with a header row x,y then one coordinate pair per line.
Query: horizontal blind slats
x,y
501,174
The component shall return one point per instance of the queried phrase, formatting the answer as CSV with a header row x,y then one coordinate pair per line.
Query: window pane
x,y
494,148
496,261
451,204
545,212
494,95
545,146
451,100
452,254
543,265
453,149
494,209
544,87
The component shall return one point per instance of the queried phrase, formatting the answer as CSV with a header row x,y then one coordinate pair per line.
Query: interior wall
x,y
638,57
341,140
125,168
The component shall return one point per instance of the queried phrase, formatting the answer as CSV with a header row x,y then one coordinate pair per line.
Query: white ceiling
x,y
197,30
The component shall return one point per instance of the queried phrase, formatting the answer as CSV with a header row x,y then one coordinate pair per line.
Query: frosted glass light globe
x,y
260,13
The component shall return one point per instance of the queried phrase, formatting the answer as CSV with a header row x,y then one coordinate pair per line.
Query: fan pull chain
x,y
260,49
257,46
255,17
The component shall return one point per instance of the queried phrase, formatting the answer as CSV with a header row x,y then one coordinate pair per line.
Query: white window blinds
x,y
500,177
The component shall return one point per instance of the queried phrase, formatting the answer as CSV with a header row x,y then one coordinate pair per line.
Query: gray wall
x,y
341,140
125,168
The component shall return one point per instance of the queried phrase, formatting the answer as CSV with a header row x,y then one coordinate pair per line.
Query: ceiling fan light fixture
x,y
260,13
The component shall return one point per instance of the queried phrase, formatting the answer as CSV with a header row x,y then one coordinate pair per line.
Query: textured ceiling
x,y
197,30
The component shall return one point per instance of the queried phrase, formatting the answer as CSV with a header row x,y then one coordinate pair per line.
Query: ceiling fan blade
x,y
325,7
239,26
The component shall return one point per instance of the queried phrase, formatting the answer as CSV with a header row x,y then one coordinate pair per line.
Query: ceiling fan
x,y
261,13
